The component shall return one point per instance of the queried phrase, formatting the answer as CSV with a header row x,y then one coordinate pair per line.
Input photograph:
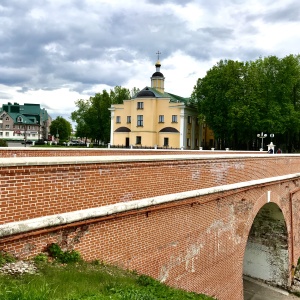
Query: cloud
x,y
54,52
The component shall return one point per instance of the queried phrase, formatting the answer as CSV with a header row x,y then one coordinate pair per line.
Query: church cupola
x,y
158,79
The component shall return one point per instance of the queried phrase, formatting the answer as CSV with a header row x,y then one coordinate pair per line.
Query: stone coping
x,y
107,210
59,160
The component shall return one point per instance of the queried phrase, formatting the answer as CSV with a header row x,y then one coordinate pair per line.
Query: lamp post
x,y
57,135
262,136
25,129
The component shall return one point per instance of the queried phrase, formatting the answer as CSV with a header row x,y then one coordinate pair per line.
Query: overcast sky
x,y
58,51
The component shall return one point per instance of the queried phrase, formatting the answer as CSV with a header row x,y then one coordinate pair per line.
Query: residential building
x,y
156,118
24,122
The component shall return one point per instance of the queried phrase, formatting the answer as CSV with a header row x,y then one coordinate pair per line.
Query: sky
x,y
54,52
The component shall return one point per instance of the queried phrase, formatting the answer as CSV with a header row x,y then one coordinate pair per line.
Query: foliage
x,y
41,257
6,258
62,127
61,256
87,281
3,143
93,116
238,100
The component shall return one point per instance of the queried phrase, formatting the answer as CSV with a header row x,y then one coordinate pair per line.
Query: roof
x,y
26,119
157,74
156,94
32,113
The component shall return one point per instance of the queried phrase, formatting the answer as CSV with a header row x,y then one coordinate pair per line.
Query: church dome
x,y
145,93
157,74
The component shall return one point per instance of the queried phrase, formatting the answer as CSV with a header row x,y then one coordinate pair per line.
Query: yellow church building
x,y
154,118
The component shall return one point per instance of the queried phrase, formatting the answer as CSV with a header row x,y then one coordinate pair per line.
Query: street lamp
x,y
25,129
57,135
262,136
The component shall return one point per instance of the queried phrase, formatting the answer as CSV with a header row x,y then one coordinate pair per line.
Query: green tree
x,y
80,116
238,100
61,127
93,116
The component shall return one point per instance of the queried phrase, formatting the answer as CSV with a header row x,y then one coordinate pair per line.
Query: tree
x,y
238,100
93,115
61,127
80,116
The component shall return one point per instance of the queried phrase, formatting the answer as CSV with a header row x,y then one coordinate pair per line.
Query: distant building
x,y
24,122
155,118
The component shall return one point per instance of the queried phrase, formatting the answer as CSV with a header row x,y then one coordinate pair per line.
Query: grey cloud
x,y
74,45
4,96
290,13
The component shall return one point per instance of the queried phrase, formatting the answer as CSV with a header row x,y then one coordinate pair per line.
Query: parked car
x,y
40,142
27,142
77,143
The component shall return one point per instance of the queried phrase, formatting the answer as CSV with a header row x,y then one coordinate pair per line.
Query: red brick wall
x,y
197,245
42,152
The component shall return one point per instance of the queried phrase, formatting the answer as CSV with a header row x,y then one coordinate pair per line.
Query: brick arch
x,y
261,248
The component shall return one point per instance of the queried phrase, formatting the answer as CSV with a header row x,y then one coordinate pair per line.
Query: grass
x,y
87,281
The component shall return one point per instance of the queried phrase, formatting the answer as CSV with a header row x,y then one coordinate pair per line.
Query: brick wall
x,y
197,244
43,152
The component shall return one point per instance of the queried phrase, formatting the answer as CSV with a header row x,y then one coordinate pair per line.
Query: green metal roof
x,y
26,119
173,98
30,112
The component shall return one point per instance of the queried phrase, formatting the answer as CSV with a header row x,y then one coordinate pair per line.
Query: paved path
x,y
255,290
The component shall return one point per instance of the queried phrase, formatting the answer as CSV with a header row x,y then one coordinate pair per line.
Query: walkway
x,y
255,290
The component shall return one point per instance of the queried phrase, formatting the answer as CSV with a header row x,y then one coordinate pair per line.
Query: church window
x,y
118,119
140,120
140,105
161,118
128,119
174,119
138,140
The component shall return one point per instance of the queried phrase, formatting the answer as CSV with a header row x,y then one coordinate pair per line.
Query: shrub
x,y
41,257
6,258
3,143
61,256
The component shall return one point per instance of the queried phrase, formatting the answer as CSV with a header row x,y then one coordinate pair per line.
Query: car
x,y
77,143
40,142
27,142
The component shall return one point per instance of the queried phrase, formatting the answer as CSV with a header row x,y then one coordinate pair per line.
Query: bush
x,y
6,258
61,256
3,143
41,257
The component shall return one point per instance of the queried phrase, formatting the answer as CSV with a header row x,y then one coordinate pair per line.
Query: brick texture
x,y
197,244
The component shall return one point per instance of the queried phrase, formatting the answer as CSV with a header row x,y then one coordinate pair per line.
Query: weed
x,y
6,258
41,257
61,256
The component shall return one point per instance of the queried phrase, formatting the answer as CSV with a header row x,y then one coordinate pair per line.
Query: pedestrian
x,y
270,151
279,151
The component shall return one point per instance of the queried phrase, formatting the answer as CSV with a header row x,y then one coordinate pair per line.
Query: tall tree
x,y
93,116
239,100
61,127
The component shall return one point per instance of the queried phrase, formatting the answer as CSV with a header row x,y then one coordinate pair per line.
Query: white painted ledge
x,y
58,160
81,215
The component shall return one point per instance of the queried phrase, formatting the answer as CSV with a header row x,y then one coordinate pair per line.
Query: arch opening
x,y
266,253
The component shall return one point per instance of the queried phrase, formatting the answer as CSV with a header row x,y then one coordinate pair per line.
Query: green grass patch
x,y
86,281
